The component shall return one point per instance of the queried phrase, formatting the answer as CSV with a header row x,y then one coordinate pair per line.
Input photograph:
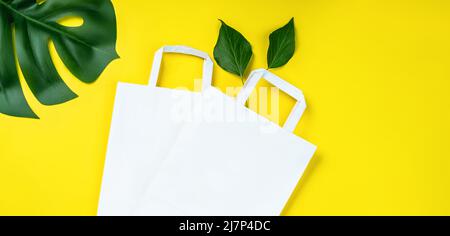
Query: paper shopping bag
x,y
235,168
142,131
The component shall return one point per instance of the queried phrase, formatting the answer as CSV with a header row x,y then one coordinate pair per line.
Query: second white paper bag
x,y
232,168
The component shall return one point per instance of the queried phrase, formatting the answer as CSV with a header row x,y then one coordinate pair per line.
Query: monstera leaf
x,y
27,26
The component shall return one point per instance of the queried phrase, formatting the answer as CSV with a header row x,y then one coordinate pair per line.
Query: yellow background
x,y
376,75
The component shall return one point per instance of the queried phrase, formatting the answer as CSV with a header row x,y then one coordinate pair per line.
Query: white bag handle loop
x,y
291,90
207,65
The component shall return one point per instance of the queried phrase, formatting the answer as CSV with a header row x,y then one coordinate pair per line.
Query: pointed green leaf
x,y
232,52
282,45
85,50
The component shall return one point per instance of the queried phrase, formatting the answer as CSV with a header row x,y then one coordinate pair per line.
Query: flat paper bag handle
x,y
207,65
291,90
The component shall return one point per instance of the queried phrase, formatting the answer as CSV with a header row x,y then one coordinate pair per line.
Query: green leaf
x,y
282,46
85,50
232,52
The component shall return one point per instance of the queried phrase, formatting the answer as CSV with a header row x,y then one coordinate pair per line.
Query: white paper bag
x,y
232,168
142,131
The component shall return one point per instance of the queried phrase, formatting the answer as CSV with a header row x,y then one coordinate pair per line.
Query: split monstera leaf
x,y
233,52
27,26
